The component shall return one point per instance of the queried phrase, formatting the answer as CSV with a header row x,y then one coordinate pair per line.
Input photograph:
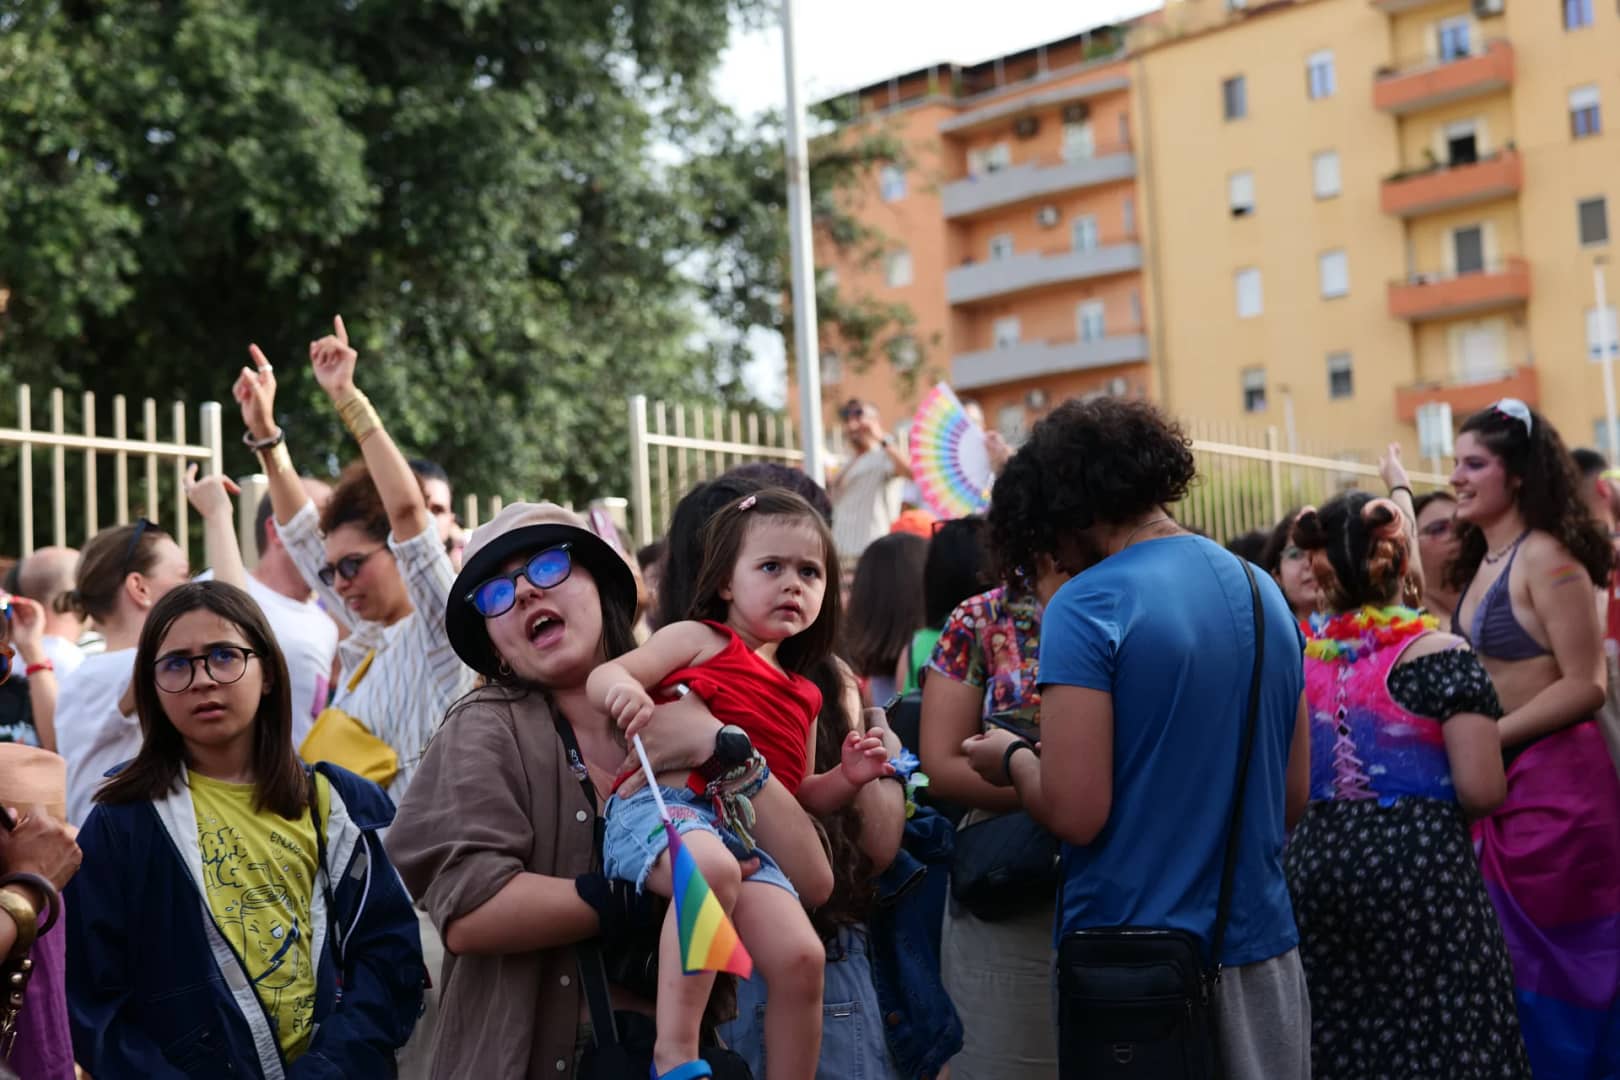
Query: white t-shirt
x,y
63,654
309,638
91,734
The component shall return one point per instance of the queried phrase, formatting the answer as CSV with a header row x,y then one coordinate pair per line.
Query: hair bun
x,y
1308,534
1383,519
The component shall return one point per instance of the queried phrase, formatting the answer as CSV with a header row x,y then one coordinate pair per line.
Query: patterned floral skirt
x,y
1408,972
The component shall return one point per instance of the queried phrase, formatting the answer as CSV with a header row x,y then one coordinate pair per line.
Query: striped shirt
x,y
863,504
403,694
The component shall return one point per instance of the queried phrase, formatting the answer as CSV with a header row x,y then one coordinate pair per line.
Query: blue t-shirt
x,y
1167,628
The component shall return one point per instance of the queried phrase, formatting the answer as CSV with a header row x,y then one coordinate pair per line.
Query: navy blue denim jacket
x,y
919,1020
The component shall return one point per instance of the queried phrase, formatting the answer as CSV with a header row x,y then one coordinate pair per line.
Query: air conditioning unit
x,y
1035,399
1076,114
1025,127
1047,217
1484,9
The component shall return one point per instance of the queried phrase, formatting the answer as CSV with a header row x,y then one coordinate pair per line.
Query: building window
x,y
1089,320
1454,39
1254,389
1319,78
832,368
1341,376
1124,130
903,353
1240,193
1136,310
1462,143
1234,98
1006,331
1001,247
1084,231
1602,335
1010,422
1249,301
1593,215
989,159
1334,269
892,183
1577,13
1468,249
1078,141
1585,115
1325,174
898,272
1127,215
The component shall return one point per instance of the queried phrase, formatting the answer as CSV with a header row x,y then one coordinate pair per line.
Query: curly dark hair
x,y
955,567
1102,461
356,501
1358,548
1549,495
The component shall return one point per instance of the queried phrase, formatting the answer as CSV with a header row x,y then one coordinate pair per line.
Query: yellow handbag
x,y
343,740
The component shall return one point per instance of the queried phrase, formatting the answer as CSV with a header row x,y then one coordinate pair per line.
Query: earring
x,y
504,669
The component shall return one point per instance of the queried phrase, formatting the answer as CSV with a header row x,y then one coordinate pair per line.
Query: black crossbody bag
x,y
1137,1003
621,1043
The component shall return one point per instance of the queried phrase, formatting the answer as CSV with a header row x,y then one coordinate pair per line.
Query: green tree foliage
x,y
524,209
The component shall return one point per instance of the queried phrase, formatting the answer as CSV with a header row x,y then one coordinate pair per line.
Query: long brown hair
x,y
279,782
107,561
723,540
885,603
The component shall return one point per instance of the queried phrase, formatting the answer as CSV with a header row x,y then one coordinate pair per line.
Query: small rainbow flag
x,y
708,940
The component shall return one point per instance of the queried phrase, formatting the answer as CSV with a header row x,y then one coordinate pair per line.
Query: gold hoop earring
x,y
504,669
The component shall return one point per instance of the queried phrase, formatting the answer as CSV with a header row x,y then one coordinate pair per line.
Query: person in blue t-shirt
x,y
1145,667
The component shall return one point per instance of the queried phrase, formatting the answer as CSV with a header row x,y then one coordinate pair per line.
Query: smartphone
x,y
1013,722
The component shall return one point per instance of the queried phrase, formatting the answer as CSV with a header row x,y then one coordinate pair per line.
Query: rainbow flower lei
x,y
1354,634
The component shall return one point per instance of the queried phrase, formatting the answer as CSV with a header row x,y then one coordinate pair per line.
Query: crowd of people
x,y
1049,792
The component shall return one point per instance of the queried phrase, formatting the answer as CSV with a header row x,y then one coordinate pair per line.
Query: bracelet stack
x,y
17,967
358,416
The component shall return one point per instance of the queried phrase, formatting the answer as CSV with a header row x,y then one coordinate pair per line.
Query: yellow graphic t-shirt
x,y
259,875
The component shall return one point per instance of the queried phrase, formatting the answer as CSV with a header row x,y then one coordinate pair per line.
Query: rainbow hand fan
x,y
948,458
708,940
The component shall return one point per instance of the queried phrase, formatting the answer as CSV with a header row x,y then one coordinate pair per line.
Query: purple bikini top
x,y
1496,631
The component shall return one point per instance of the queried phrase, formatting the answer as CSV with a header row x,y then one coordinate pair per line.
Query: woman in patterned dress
x,y
1406,964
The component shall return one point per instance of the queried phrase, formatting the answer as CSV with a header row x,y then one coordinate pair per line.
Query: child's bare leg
x,y
682,998
792,960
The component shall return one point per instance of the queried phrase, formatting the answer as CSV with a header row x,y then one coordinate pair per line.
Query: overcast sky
x,y
844,44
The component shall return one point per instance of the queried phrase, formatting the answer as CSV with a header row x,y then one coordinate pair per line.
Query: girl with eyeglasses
x,y
236,912
1291,569
1437,550
1531,557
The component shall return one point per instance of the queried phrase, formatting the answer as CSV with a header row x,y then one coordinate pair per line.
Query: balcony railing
x,y
1468,395
1447,187
1032,359
1038,179
1425,296
1426,83
1033,270
1396,7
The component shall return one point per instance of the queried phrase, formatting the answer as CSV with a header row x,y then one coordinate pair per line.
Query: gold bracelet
x,y
358,416
276,459
25,915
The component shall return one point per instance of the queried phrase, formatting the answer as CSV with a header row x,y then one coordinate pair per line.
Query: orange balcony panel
x,y
1450,187
1439,82
1423,297
1467,397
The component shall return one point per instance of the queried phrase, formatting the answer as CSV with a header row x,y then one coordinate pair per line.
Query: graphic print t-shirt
x,y
259,875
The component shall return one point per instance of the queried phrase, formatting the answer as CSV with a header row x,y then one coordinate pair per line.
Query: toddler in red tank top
x,y
764,614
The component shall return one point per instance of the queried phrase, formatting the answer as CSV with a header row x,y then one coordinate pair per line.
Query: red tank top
x,y
775,708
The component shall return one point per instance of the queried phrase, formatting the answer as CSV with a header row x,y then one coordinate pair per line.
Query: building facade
x,y
1318,215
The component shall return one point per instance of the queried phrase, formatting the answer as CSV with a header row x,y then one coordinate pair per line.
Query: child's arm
x,y
619,687
864,760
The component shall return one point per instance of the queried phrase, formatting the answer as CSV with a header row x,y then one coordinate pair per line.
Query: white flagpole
x,y
805,337
652,779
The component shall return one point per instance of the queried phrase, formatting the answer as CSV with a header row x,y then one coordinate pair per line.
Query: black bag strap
x,y
592,971
322,871
1223,907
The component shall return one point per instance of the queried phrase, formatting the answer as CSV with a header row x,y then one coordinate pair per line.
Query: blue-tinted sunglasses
x,y
546,570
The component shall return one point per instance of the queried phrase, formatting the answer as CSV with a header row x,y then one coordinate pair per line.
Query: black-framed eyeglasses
x,y
225,664
347,568
134,545
545,570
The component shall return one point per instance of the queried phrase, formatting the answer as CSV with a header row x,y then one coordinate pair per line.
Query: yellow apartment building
x,y
1359,207
1319,215
1014,235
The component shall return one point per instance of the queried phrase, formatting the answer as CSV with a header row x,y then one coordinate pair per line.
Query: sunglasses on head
x,y
134,545
545,570
347,568
1514,409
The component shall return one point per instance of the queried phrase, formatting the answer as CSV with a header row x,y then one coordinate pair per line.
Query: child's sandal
x,y
690,1071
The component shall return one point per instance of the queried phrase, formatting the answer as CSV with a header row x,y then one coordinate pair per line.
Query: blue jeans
x,y
635,836
852,1042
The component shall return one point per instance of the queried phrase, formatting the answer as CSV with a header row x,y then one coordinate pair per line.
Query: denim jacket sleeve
x,y
100,984
381,984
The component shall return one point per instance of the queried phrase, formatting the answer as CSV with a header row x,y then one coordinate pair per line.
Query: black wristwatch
x,y
732,747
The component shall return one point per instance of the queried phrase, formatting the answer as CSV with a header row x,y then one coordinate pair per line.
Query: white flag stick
x,y
652,779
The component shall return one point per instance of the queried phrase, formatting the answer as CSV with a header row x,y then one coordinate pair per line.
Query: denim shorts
x,y
635,836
